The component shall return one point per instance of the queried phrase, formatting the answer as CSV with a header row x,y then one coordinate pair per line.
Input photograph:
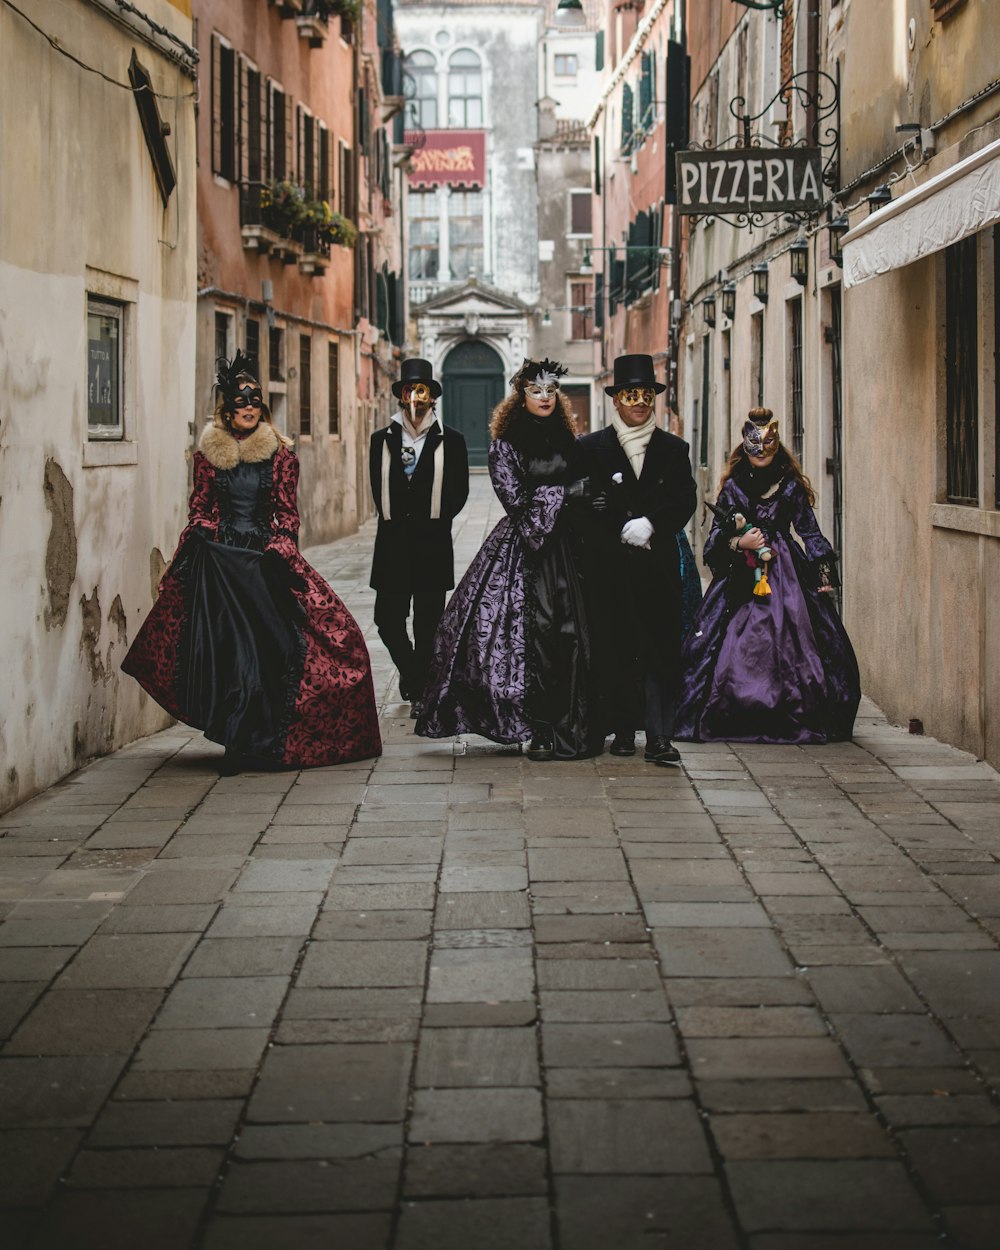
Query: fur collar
x,y
225,452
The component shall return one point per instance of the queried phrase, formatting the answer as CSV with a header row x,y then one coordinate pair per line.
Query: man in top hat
x,y
420,482
646,475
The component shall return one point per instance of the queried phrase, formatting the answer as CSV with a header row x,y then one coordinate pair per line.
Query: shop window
x,y
105,359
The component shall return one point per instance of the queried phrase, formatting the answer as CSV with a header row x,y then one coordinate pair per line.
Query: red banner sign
x,y
454,157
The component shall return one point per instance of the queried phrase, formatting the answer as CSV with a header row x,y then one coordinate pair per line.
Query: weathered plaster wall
x,y
917,591
80,532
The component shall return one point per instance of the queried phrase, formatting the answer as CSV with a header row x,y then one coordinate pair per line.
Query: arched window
x,y
420,78
465,90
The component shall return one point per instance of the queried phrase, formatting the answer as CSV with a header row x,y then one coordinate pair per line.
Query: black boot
x,y
624,744
540,747
660,751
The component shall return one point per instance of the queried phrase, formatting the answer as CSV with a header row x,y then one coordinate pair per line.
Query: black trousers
x,y
413,659
653,704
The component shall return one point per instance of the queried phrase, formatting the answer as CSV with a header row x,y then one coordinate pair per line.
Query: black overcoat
x,y
649,616
412,551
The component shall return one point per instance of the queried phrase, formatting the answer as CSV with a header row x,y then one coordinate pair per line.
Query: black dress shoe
x,y
416,709
661,751
624,744
540,748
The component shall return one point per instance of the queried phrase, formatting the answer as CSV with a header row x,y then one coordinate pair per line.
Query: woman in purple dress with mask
x,y
767,658
522,650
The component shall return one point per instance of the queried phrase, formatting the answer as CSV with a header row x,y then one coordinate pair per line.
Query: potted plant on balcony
x,y
320,228
283,204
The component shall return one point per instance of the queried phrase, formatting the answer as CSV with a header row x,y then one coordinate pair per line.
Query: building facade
x,y
299,258
922,489
97,325
631,129
866,322
495,160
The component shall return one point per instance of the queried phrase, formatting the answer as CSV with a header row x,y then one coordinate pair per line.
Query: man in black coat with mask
x,y
645,474
420,482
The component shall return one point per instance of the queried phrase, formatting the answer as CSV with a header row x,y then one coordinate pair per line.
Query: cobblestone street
x,y
454,999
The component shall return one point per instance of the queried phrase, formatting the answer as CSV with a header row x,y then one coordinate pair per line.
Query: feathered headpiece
x,y
545,372
227,378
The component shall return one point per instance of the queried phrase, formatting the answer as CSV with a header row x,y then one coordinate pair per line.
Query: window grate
x,y
961,372
798,416
305,384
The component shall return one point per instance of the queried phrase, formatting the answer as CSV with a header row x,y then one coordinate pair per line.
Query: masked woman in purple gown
x,y
767,658
522,650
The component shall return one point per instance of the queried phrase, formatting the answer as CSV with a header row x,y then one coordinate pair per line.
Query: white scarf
x,y
634,439
416,431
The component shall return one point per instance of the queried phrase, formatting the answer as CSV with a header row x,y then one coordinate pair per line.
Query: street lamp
x,y
760,281
570,13
729,300
587,264
708,309
837,228
879,198
799,254
546,319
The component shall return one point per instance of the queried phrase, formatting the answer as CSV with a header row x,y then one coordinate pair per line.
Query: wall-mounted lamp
x,y
760,281
837,228
729,300
879,198
587,264
546,319
708,310
569,13
799,257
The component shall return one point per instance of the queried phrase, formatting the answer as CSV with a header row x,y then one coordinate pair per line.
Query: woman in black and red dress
x,y
246,641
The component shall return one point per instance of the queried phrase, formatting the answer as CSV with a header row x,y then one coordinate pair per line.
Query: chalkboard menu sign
x,y
104,416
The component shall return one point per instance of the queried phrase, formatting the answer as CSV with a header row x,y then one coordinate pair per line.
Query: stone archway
x,y
473,380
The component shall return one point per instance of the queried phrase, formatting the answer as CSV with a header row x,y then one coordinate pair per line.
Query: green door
x,y
473,385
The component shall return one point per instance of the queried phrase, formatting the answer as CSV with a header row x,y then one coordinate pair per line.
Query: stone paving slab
x,y
452,998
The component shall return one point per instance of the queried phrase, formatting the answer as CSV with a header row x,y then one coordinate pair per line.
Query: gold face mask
x,y
416,393
631,396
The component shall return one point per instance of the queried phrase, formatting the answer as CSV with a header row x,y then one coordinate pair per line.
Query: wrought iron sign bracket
x,y
818,93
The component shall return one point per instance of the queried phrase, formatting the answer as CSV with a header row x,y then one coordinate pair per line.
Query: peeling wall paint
x,y
60,551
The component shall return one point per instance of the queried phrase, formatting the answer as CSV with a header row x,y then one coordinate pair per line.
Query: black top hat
x,y
634,371
416,370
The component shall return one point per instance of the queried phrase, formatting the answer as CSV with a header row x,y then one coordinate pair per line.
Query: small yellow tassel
x,y
762,588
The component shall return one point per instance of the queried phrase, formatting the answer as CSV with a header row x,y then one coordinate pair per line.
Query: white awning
x,y
941,211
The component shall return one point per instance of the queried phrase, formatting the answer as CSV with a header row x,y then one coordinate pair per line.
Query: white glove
x,y
637,532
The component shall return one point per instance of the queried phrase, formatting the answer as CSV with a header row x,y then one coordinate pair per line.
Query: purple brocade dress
x,y
775,669
513,650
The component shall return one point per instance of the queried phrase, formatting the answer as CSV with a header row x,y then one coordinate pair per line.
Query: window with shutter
x,y
253,164
627,124
581,216
224,117
324,189
646,93
279,165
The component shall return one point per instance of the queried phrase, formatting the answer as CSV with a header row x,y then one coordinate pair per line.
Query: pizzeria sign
x,y
750,180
